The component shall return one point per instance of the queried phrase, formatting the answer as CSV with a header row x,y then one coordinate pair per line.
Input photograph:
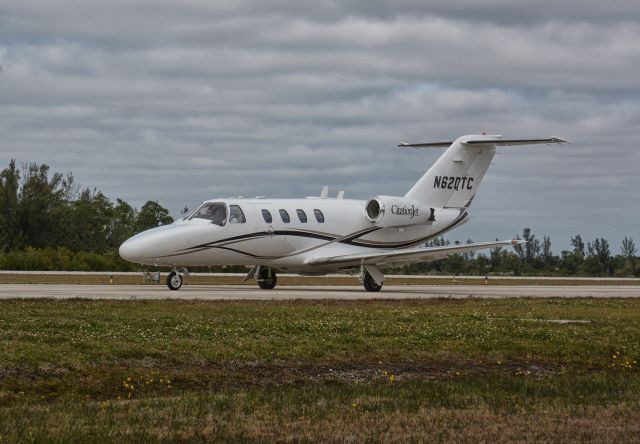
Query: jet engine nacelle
x,y
392,211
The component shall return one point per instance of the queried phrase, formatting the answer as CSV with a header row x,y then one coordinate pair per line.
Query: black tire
x,y
370,284
265,281
174,280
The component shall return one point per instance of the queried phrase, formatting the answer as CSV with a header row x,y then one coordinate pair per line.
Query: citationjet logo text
x,y
404,211
453,183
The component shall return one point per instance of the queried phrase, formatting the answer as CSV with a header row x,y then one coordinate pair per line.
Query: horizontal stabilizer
x,y
512,142
486,141
426,145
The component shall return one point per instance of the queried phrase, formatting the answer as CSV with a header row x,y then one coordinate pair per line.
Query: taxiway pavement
x,y
238,292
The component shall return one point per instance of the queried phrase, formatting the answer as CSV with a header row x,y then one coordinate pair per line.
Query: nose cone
x,y
165,245
129,251
148,246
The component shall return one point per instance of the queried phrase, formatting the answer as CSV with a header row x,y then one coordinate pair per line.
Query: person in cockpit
x,y
214,212
218,214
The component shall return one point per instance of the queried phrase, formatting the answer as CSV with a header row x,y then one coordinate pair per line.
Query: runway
x,y
238,292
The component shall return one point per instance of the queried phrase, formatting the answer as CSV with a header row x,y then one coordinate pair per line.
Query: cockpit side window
x,y
215,212
236,216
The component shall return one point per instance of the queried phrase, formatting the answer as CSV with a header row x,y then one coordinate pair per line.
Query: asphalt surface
x,y
237,292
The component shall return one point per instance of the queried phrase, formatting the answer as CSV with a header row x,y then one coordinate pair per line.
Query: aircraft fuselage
x,y
340,224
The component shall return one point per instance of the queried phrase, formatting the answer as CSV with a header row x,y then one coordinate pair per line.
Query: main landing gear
x,y
371,278
266,278
174,280
370,284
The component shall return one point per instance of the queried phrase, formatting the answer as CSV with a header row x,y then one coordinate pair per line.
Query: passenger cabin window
x,y
267,216
236,216
302,216
285,216
215,212
319,216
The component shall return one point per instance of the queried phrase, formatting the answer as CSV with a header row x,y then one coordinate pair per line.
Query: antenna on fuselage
x,y
325,192
340,194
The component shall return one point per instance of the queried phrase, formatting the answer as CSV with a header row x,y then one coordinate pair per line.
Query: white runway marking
x,y
236,292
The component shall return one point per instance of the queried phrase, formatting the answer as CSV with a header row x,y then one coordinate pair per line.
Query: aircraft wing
x,y
379,257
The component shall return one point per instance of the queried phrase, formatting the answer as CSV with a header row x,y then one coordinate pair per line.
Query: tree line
x,y
48,222
535,258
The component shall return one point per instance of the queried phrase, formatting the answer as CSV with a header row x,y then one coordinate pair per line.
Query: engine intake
x,y
373,209
391,211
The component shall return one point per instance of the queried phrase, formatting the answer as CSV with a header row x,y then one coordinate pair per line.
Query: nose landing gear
x,y
174,280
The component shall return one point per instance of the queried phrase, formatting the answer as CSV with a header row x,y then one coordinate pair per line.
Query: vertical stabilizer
x,y
454,178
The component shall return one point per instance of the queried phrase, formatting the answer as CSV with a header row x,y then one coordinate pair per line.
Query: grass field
x,y
446,370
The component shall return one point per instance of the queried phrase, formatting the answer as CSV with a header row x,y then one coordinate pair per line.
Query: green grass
x,y
77,370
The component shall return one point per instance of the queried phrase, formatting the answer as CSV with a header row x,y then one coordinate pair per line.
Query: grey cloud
x,y
153,21
311,54
185,101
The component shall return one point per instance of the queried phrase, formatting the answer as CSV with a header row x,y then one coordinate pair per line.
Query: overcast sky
x,y
181,101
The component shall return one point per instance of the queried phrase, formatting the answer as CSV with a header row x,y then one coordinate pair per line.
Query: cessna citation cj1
x,y
314,236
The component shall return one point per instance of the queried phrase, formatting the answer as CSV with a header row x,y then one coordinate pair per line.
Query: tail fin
x,y
453,179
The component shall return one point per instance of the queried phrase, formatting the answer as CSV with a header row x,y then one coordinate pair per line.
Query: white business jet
x,y
317,235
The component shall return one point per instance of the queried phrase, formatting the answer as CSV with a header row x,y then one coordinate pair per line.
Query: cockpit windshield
x,y
215,212
188,213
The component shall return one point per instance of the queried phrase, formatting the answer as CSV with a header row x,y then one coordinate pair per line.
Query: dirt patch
x,y
100,381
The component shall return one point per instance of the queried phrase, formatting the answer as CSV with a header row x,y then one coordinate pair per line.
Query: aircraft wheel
x,y
266,280
174,280
370,284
